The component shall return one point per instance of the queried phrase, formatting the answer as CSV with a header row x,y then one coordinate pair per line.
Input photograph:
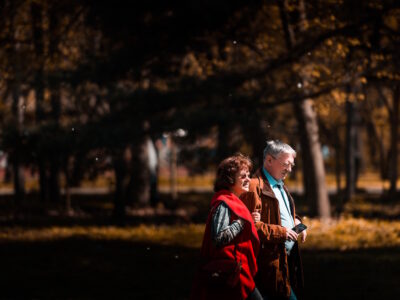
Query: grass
x,y
159,262
177,235
346,258
342,234
352,233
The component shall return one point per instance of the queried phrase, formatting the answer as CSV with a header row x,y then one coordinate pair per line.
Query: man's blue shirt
x,y
284,206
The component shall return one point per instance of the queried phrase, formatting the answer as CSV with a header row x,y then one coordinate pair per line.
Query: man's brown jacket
x,y
277,271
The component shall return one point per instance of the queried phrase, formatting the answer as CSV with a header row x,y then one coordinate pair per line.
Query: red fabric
x,y
246,251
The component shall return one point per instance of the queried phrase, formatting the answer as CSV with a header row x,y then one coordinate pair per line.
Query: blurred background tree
x,y
89,87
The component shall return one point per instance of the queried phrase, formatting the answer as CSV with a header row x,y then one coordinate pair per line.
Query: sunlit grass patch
x,y
341,234
177,235
369,208
352,233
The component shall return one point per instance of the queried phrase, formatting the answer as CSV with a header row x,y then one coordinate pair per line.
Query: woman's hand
x,y
256,216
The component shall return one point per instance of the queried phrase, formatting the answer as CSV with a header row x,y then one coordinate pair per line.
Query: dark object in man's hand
x,y
299,228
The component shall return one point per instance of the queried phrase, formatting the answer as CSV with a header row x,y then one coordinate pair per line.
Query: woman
x,y
230,243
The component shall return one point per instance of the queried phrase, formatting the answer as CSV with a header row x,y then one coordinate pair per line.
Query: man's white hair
x,y
276,147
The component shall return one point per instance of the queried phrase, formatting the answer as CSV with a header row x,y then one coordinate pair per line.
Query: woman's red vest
x,y
247,246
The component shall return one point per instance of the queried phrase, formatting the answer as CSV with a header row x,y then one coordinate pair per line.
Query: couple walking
x,y
250,249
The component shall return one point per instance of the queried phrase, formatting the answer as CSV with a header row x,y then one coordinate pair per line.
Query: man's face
x,y
280,166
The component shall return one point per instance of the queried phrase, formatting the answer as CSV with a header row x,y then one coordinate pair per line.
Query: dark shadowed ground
x,y
86,269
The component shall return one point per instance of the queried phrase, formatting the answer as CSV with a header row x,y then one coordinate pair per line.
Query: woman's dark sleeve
x,y
222,233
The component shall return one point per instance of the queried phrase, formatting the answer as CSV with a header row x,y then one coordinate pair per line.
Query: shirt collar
x,y
272,181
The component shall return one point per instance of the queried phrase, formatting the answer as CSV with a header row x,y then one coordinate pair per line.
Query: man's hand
x,y
291,235
303,234
256,216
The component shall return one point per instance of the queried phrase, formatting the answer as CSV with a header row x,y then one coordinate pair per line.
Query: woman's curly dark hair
x,y
228,169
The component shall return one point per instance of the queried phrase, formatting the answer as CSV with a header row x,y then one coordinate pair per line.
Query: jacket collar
x,y
266,187
267,190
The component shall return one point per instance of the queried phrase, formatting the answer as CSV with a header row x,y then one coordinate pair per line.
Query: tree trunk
x,y
394,139
18,110
68,202
337,163
153,160
54,86
77,168
19,180
313,164
54,181
38,39
19,177
350,150
173,171
120,188
377,149
133,180
67,168
229,138
255,129
119,203
139,185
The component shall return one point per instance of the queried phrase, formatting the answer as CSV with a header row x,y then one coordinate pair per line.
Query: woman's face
x,y
242,182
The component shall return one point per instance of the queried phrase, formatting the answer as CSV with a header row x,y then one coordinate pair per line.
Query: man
x,y
280,274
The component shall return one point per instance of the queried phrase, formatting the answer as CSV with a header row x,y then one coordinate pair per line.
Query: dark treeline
x,y
85,85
